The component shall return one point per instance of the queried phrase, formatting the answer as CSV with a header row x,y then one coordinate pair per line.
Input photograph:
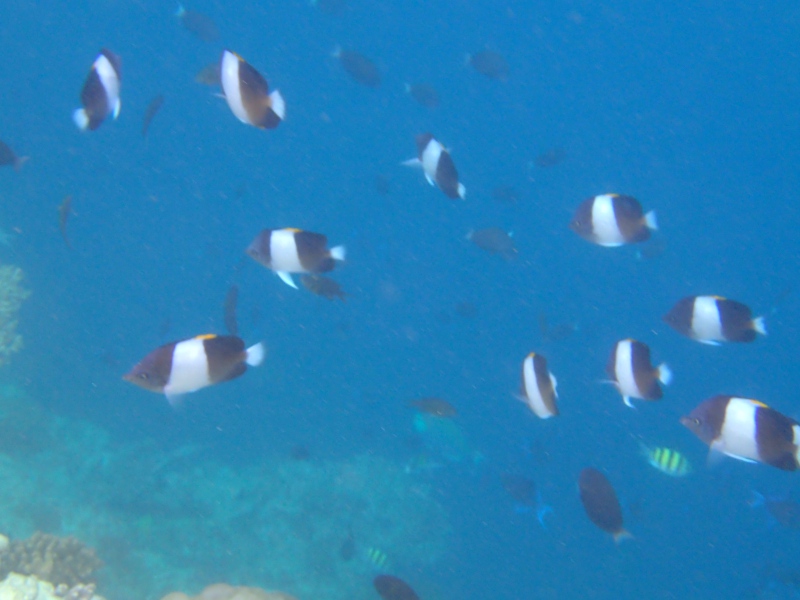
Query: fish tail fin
x,y
412,162
756,500
255,354
760,325
278,104
622,535
650,220
664,374
81,118
19,161
628,403
462,191
338,253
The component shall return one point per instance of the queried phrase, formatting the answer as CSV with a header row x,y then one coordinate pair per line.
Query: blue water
x,y
693,109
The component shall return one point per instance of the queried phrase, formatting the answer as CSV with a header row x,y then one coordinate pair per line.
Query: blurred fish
x,y
489,63
555,333
390,587
377,557
438,166
467,310
331,7
505,194
64,212
495,241
668,461
425,95
358,66
714,319
100,94
747,430
189,365
613,220
550,158
248,94
231,301
436,407
323,286
630,370
526,494
348,549
198,24
382,185
445,440
785,511
208,75
152,109
601,504
286,251
8,157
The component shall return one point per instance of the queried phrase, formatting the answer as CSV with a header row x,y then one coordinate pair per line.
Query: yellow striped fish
x,y
377,557
668,461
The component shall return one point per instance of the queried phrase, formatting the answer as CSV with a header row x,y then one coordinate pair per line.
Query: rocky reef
x,y
29,587
223,591
64,561
12,295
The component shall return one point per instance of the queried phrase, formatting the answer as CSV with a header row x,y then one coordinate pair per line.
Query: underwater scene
x,y
399,300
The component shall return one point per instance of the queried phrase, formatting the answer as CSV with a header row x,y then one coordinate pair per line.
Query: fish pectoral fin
x,y
628,403
117,107
430,179
710,342
287,278
175,400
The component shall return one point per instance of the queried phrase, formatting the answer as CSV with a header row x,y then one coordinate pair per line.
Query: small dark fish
x,y
383,185
601,504
426,95
331,7
489,63
435,407
64,212
152,109
9,158
467,310
521,489
231,300
495,241
323,286
202,26
784,510
347,550
505,194
208,75
555,333
359,67
393,588
300,453
551,158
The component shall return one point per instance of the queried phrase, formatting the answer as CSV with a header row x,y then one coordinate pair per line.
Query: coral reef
x,y
28,587
12,295
223,591
50,558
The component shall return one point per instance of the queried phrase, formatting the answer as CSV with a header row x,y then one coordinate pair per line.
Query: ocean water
x,y
268,480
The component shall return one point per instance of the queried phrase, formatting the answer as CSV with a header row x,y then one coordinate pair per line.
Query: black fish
x,y
8,157
426,95
198,24
495,241
231,300
64,212
208,75
359,67
600,503
489,63
393,588
152,109
323,286
551,158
